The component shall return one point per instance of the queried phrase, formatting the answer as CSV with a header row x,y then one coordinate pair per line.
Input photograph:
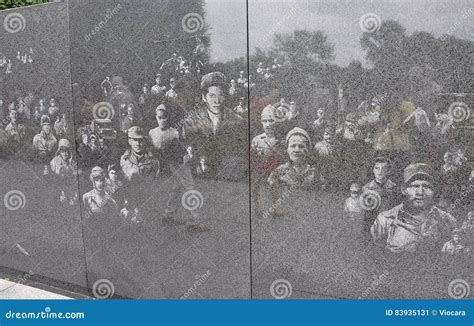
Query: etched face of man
x,y
268,123
137,145
381,170
46,127
214,98
419,194
328,136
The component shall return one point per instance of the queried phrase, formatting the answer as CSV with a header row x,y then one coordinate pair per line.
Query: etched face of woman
x,y
298,149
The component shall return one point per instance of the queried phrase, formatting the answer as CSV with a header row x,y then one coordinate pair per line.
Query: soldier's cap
x,y
355,187
212,79
116,81
417,171
269,110
298,131
351,117
457,231
163,108
96,173
381,159
64,144
136,132
331,129
158,74
45,120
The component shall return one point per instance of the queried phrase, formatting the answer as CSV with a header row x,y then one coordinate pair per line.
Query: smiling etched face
x,y
419,194
298,148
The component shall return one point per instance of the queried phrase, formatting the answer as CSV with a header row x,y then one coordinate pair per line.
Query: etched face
x,y
328,136
130,111
113,175
268,123
99,184
449,158
137,145
419,194
214,98
64,153
13,117
355,193
297,148
456,238
46,128
162,118
320,113
381,170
